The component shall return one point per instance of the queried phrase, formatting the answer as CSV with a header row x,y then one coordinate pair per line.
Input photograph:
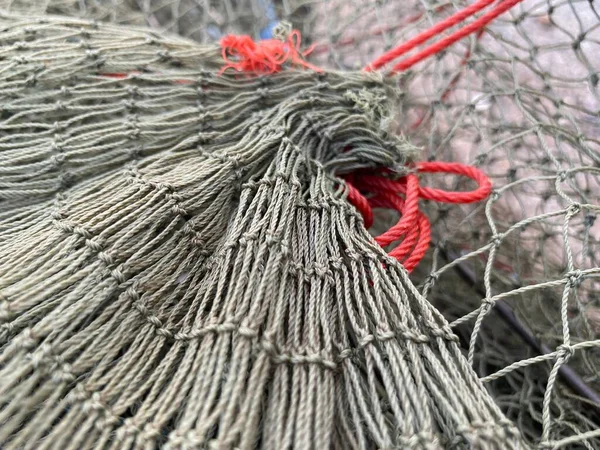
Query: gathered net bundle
x,y
181,266
156,220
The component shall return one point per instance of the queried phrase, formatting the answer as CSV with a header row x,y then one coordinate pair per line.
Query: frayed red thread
x,y
243,54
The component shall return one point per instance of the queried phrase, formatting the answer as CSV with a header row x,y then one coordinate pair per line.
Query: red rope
x,y
268,56
422,245
428,34
360,203
445,42
438,195
413,229
409,207
403,195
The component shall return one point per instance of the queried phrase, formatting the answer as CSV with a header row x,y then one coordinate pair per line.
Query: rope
x,y
403,195
269,55
413,227
428,34
445,42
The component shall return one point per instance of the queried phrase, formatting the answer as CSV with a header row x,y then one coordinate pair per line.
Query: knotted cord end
x,y
268,56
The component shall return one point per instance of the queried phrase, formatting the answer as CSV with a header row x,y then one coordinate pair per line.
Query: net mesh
x,y
517,275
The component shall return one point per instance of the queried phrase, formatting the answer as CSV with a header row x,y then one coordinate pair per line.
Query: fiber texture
x,y
180,267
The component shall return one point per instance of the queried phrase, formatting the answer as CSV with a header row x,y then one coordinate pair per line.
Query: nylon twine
x,y
369,191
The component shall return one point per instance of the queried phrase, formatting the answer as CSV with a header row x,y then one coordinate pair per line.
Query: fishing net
x,y
154,307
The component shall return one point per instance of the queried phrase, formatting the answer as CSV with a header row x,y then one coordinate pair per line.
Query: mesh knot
x,y
5,313
565,351
562,175
92,54
57,215
270,239
497,239
93,245
129,104
63,374
132,90
39,357
487,302
366,340
445,333
420,440
574,208
326,134
135,152
263,93
150,432
129,428
247,332
66,179
574,277
336,263
321,270
27,340
353,255
432,278
57,160
106,258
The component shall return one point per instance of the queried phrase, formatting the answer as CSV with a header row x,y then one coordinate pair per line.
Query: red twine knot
x,y
243,54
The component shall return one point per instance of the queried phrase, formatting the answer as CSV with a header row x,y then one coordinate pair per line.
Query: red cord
x,y
268,56
408,207
360,203
445,42
243,54
263,57
413,227
422,245
438,195
428,34
403,195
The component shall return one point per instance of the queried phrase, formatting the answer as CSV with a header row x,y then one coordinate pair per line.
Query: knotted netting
x,y
157,217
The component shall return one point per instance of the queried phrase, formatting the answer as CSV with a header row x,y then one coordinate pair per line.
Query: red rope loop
x,y
268,56
241,53
483,190
403,195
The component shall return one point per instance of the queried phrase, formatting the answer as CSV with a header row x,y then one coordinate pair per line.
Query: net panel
x,y
517,275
